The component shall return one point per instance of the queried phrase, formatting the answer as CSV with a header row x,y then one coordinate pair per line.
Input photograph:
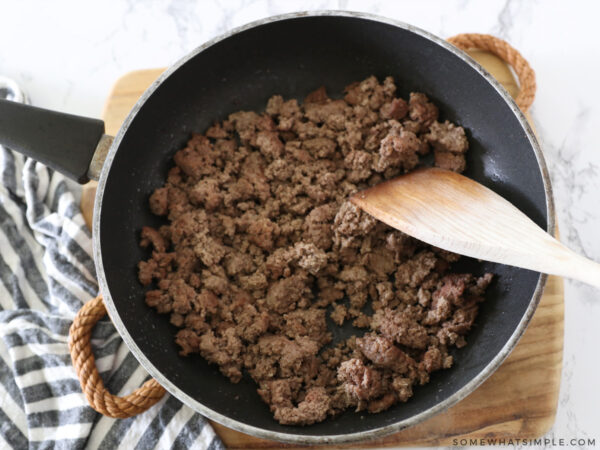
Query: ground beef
x,y
262,246
360,382
449,145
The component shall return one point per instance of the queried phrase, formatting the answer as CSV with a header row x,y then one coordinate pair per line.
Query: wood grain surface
x,y
518,401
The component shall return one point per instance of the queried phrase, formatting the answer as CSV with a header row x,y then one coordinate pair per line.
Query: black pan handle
x,y
64,142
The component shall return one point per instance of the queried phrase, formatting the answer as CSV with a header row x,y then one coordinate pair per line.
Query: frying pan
x,y
291,55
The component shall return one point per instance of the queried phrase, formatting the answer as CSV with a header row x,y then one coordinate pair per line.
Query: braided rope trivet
x,y
151,392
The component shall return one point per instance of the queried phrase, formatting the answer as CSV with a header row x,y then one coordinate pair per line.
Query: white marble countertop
x,y
67,53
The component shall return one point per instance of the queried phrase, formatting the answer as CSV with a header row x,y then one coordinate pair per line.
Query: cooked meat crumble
x,y
262,245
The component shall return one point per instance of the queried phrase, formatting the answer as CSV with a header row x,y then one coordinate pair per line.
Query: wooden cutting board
x,y
518,401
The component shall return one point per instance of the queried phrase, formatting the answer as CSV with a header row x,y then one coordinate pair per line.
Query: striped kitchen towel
x,y
46,274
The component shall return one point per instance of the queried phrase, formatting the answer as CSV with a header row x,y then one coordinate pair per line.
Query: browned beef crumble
x,y
261,241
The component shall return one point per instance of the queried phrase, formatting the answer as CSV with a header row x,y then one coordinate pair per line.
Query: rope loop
x,y
85,366
507,53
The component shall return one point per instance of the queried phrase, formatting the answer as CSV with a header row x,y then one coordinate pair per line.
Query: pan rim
x,y
307,438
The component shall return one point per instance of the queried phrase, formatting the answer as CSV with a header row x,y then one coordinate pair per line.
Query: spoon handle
x,y
571,265
533,248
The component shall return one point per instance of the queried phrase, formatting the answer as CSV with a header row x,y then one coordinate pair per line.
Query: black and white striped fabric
x,y
46,273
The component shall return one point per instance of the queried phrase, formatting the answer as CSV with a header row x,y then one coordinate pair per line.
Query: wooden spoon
x,y
458,214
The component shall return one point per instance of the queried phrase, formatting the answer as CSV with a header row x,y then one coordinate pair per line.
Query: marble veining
x,y
66,54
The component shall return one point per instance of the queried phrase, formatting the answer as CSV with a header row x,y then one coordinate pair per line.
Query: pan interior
x,y
292,57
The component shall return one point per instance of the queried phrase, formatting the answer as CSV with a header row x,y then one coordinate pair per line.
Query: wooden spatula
x,y
458,214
